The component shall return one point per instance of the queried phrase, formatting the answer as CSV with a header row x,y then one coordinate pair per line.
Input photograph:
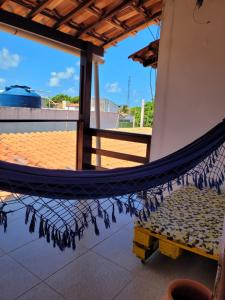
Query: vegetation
x,y
63,97
148,114
53,101
124,109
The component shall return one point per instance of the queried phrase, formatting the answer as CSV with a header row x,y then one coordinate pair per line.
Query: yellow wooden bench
x,y
146,242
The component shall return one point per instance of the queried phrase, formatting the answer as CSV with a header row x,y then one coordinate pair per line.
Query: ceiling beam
x,y
46,34
98,13
52,15
39,8
105,16
2,2
93,34
73,13
141,10
132,28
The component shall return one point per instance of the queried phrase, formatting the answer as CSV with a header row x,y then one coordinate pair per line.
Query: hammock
x,y
67,201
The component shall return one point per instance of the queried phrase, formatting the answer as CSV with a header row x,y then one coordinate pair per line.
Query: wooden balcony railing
x,y
118,135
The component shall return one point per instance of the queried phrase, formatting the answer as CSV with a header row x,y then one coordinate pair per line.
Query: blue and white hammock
x,y
63,203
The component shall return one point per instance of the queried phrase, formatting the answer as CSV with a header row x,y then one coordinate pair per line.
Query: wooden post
x,y
97,112
83,158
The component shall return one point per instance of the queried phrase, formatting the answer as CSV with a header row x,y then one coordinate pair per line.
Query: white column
x,y
142,112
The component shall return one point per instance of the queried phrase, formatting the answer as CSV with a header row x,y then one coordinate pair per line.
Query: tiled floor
x,y
101,267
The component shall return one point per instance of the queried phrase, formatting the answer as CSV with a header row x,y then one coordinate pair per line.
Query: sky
x,y
50,71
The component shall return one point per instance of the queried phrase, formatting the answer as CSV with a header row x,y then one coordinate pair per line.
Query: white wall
x,y
108,119
190,93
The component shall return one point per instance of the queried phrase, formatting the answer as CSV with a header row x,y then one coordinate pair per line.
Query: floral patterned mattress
x,y
192,217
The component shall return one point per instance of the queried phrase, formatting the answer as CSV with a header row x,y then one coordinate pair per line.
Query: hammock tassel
x,y
127,208
157,204
144,215
85,219
178,181
69,242
46,226
65,238
48,239
53,236
28,210
41,228
139,216
72,234
113,214
106,220
147,208
187,180
3,219
81,232
205,181
76,227
32,223
119,205
100,215
5,222
96,226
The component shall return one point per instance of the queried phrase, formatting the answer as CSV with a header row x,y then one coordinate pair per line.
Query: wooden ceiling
x,y
147,56
101,22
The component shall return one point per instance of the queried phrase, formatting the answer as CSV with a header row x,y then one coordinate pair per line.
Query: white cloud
x,y
113,87
2,82
70,91
56,77
8,60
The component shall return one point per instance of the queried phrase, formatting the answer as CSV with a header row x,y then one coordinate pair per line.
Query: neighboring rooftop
x,y
147,56
57,149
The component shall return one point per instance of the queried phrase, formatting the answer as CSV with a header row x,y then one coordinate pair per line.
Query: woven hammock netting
x,y
61,204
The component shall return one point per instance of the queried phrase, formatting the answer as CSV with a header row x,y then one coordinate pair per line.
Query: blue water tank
x,y
20,96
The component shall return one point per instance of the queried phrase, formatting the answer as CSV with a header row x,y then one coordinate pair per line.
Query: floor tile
x,y
142,289
16,236
42,259
41,291
90,240
118,248
1,252
90,277
14,279
151,282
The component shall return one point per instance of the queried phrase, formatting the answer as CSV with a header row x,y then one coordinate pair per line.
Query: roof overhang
x,y
23,27
76,26
147,56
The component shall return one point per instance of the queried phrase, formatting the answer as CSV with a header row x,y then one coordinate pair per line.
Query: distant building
x,y
126,120
70,106
106,105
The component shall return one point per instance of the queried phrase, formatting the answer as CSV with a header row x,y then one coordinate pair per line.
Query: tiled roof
x,y
57,150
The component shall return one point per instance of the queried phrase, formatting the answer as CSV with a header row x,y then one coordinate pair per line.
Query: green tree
x,y
136,112
148,114
53,101
124,109
75,99
63,97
